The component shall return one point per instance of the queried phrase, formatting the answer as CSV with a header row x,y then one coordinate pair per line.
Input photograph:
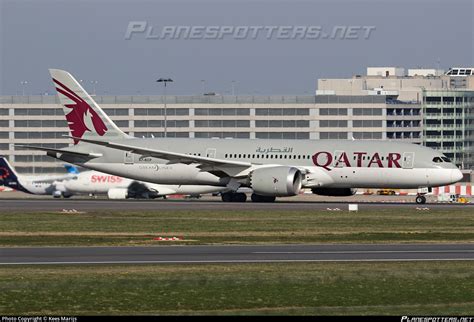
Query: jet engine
x,y
334,192
117,193
279,181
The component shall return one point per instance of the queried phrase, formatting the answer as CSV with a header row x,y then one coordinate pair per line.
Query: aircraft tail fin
x,y
84,116
9,177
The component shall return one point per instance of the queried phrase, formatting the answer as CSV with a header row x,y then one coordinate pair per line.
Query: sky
x,y
89,39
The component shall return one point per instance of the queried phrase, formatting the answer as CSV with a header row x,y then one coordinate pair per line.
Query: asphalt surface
x,y
233,254
37,205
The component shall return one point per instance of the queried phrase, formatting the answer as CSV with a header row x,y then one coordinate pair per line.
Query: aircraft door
x,y
408,160
211,153
128,158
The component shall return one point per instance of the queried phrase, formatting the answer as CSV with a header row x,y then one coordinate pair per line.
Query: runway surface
x,y
234,254
37,205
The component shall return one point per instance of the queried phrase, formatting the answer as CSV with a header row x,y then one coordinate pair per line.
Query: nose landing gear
x,y
420,199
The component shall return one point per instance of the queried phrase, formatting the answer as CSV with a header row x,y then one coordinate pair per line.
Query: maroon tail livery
x,y
79,110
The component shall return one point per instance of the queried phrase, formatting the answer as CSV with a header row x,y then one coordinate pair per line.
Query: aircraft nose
x,y
456,175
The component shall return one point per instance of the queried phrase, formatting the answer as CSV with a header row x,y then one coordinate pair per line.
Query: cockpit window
x,y
446,159
437,160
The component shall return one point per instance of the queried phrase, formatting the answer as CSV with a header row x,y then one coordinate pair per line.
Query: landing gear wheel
x,y
259,198
226,197
420,199
240,197
234,197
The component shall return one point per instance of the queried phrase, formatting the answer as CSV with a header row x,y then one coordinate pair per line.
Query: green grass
x,y
405,288
395,288
208,227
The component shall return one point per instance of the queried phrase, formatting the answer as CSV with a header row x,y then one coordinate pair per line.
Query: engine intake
x,y
279,181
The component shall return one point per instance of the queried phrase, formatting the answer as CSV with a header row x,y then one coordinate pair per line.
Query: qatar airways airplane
x,y
271,168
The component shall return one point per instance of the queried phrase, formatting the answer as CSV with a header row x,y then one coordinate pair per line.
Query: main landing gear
x,y
259,198
234,197
420,199
242,197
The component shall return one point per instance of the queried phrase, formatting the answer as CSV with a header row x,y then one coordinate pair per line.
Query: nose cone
x,y
456,175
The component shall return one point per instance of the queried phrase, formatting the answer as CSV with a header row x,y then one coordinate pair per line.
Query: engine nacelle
x,y
279,181
117,193
334,192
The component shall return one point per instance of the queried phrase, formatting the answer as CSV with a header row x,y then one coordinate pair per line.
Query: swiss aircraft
x,y
271,168
94,183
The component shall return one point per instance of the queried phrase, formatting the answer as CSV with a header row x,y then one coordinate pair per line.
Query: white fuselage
x,y
328,163
36,187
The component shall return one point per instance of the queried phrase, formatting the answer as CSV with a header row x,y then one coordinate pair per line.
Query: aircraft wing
x,y
213,165
31,147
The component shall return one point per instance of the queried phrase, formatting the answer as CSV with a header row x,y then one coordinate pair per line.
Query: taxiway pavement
x,y
234,254
38,205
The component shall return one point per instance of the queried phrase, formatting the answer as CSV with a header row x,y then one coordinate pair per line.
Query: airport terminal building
x,y
433,110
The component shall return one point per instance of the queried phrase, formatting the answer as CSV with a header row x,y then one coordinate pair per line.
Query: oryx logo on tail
x,y
80,109
4,173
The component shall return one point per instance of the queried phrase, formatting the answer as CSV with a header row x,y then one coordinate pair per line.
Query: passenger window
x,y
437,160
446,159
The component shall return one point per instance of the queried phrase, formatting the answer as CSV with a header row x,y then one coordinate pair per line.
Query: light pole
x,y
233,88
203,83
23,84
93,83
164,81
